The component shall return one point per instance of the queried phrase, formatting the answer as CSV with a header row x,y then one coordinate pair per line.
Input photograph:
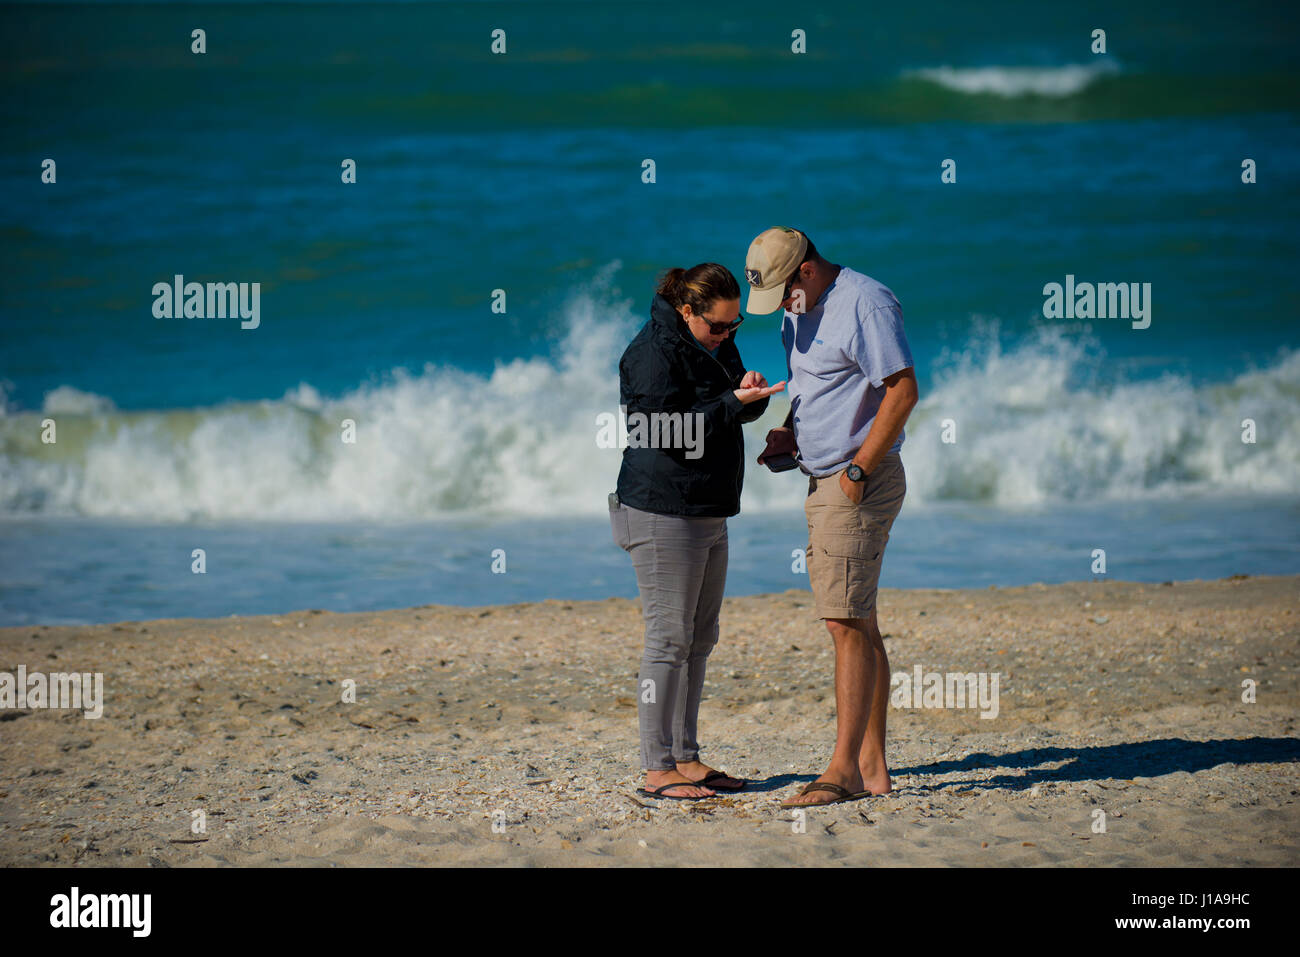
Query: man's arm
x,y
895,407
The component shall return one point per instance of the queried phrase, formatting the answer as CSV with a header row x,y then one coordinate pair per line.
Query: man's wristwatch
x,y
855,473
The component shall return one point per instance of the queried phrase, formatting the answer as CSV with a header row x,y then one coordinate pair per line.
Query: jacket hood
x,y
666,317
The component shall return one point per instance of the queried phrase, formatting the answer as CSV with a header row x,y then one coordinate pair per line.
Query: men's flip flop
x,y
658,792
841,794
720,776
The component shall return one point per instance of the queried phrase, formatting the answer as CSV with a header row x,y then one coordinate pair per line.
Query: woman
x,y
686,393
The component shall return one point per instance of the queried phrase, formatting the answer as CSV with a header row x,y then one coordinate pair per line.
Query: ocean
x,y
518,181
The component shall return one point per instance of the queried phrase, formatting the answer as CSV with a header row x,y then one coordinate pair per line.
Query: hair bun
x,y
700,286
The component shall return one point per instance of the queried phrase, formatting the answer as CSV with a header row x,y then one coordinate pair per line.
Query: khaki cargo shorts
x,y
846,542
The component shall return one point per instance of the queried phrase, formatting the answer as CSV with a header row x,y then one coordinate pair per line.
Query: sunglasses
x,y
718,328
789,283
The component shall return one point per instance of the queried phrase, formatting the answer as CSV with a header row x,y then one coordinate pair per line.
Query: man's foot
x,y
851,783
696,771
654,780
876,779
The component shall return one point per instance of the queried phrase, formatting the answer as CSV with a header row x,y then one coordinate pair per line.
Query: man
x,y
851,387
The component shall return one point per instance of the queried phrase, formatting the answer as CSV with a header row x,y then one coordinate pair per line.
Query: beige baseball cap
x,y
772,259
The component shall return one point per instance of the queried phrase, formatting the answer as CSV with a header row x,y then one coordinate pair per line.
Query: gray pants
x,y
681,569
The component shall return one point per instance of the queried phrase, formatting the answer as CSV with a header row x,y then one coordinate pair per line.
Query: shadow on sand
x,y
1146,759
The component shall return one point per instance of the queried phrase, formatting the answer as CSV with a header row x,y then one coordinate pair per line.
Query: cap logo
x,y
754,276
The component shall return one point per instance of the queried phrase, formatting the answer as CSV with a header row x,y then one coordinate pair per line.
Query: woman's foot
x,y
654,780
696,771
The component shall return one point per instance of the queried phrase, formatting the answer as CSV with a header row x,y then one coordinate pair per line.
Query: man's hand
x,y
780,441
851,488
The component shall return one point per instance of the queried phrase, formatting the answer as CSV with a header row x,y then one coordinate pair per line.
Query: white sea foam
x,y
1013,81
1033,425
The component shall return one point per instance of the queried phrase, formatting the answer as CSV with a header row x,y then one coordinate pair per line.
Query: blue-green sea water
x,y
524,171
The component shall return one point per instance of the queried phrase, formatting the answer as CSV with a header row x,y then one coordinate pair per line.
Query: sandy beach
x,y
506,736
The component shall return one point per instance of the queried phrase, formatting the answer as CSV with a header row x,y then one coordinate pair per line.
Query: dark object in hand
x,y
781,463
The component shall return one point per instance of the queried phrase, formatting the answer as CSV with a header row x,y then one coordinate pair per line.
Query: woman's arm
x,y
650,380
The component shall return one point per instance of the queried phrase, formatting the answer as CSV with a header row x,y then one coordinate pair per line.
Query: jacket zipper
x,y
697,345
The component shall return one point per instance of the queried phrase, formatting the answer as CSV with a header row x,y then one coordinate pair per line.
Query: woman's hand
x,y
753,386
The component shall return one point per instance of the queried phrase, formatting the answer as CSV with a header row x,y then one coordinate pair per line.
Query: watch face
x,y
854,473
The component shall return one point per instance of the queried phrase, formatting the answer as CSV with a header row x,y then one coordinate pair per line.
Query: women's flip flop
x,y
720,776
841,794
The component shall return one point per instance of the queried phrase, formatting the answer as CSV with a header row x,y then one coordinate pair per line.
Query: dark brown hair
x,y
700,286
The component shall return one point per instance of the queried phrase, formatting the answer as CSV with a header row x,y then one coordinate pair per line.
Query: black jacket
x,y
665,369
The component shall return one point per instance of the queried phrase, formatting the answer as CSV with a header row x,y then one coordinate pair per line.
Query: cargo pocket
x,y
618,523
853,566
864,546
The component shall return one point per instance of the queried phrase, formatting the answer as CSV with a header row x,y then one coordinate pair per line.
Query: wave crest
x,y
1036,424
1033,422
1016,81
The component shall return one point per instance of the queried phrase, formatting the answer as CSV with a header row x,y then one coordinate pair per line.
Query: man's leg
x,y
886,501
855,682
846,545
871,758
